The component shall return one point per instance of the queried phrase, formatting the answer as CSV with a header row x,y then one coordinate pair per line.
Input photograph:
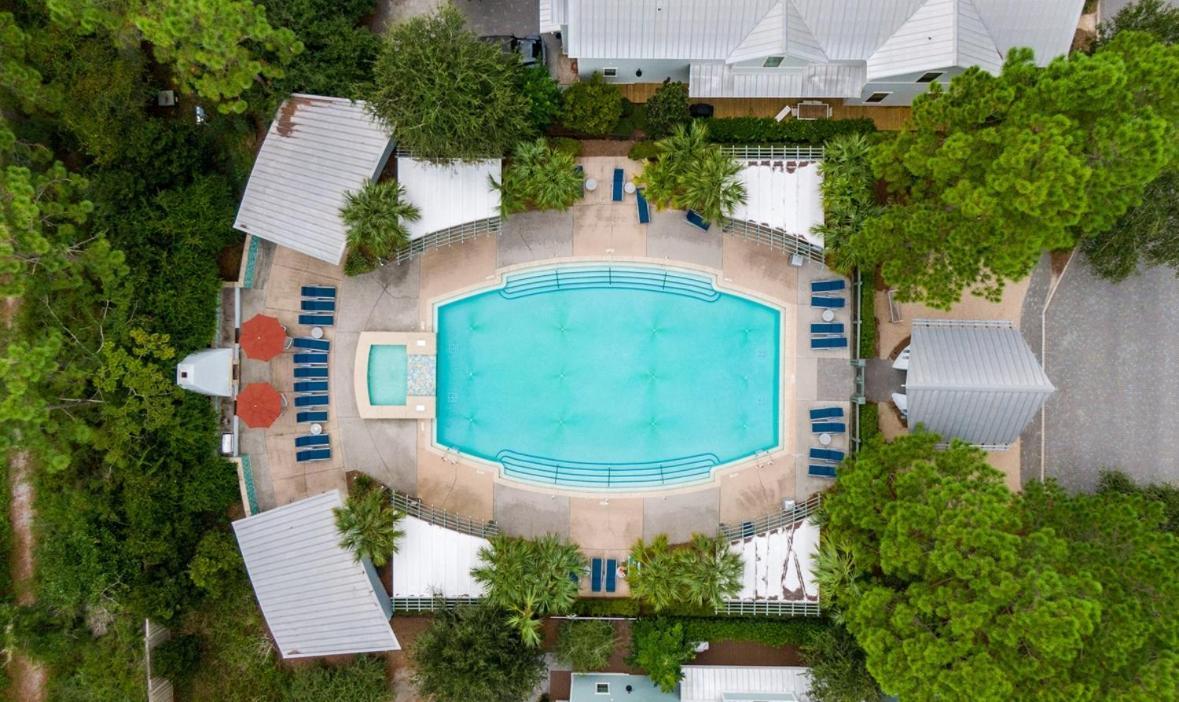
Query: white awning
x,y
435,561
779,564
722,683
779,199
209,372
448,194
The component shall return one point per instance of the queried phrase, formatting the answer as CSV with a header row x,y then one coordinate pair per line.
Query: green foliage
x,y
633,119
1118,483
543,95
667,108
838,666
104,669
591,107
992,171
606,607
217,565
468,655
1147,234
849,198
869,414
1157,17
692,174
530,578
661,648
369,526
703,572
362,680
775,632
376,217
538,177
339,49
643,151
565,145
586,646
177,659
767,130
445,93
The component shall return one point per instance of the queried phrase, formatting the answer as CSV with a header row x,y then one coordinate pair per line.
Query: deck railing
x,y
448,237
777,608
431,604
415,508
761,152
776,239
768,522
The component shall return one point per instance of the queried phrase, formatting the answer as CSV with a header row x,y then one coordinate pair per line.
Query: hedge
x,y
777,632
766,130
869,421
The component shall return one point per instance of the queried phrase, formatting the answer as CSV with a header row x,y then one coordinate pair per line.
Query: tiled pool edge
x,y
416,344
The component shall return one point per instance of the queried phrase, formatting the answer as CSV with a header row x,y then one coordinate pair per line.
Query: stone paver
x,y
680,514
535,236
751,492
605,523
453,268
759,269
456,488
669,236
498,17
836,379
529,513
386,449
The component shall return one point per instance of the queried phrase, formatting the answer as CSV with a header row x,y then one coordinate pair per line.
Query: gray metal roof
x,y
317,150
816,80
973,380
317,600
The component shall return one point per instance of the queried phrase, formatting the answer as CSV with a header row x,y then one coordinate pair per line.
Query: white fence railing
x,y
773,152
776,239
448,237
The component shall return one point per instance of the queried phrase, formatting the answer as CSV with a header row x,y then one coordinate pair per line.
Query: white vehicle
x,y
901,400
902,362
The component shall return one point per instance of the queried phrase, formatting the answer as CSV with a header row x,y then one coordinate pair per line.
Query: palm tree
x,y
368,526
376,216
837,575
538,177
655,574
693,174
714,572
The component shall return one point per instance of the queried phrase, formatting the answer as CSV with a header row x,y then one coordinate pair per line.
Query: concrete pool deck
x,y
400,452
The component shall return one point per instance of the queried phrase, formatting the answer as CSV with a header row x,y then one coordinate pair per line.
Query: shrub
x,y
177,658
543,95
538,178
586,646
839,668
765,130
1145,235
375,217
362,680
643,151
339,49
661,648
692,174
592,107
667,108
1115,482
606,607
869,421
565,145
217,564
633,119
867,321
787,631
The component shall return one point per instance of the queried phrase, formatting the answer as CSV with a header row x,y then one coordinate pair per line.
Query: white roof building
x,y
779,563
318,149
209,372
433,561
848,49
317,599
783,197
719,683
448,194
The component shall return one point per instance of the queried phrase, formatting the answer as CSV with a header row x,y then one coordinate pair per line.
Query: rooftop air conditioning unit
x,y
166,98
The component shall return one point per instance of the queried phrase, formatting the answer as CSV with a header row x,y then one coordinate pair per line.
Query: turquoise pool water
x,y
608,376
387,382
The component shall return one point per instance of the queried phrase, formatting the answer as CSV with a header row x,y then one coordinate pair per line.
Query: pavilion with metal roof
x,y
974,380
317,599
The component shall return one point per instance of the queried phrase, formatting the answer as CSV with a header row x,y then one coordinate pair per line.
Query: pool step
x,y
550,471
621,277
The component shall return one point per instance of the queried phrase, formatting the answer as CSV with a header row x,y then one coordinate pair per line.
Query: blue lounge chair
x,y
596,575
611,575
697,221
826,413
318,306
311,386
317,320
827,328
828,427
324,292
829,342
824,286
644,209
828,455
746,529
835,303
305,417
616,196
313,345
311,359
322,454
311,440
311,400
821,471
579,170
311,372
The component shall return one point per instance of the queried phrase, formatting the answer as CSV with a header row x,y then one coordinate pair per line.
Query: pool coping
x,y
416,344
786,377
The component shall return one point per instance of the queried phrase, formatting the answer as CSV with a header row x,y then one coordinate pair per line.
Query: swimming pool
x,y
387,374
608,376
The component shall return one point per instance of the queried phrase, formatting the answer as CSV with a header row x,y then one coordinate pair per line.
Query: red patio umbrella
x,y
263,337
259,404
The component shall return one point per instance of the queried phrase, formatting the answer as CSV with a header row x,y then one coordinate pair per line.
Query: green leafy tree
x,y
543,94
529,579
339,48
1118,483
667,108
586,646
591,107
446,94
991,172
376,217
1156,17
838,668
1147,234
369,526
848,192
661,648
714,572
538,177
468,655
217,565
693,174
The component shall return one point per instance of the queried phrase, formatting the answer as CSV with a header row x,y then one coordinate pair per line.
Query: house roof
x,y
722,683
922,33
317,150
432,560
209,372
974,380
779,563
791,202
317,599
448,194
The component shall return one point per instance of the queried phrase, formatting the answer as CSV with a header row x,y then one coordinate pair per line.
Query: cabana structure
x,y
317,599
779,553
318,149
209,372
434,562
783,194
723,683
449,195
973,380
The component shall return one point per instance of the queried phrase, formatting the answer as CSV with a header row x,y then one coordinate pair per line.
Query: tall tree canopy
x,y
993,170
964,590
